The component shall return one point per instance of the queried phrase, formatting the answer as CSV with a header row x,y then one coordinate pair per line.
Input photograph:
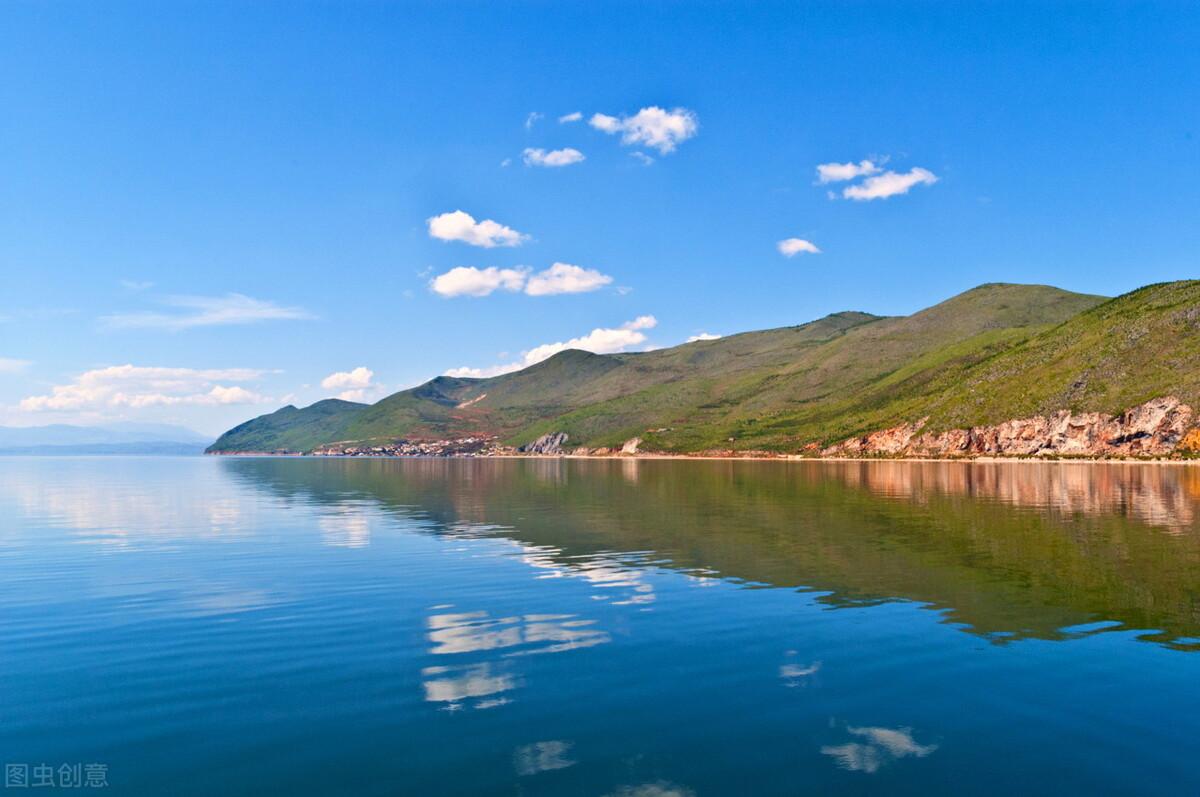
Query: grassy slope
x,y
852,382
290,429
1138,346
1107,358
514,404
777,389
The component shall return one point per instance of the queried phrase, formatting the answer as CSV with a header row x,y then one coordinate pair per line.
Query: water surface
x,y
651,628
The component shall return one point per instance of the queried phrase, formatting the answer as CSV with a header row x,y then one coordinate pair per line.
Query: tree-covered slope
x,y
775,389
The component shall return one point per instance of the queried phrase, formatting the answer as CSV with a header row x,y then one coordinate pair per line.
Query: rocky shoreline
x,y
1156,428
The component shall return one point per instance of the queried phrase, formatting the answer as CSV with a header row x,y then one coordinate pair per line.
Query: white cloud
x,y
789,247
570,117
641,158
467,372
355,385
234,394
555,157
359,377
565,278
10,365
559,278
703,336
839,172
136,285
142,386
889,184
471,281
651,127
605,123
598,341
460,226
532,119
361,395
206,311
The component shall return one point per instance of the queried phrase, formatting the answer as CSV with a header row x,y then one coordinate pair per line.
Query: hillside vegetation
x,y
996,352
290,429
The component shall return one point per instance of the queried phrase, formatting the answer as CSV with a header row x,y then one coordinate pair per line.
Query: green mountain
x,y
289,429
1138,346
996,352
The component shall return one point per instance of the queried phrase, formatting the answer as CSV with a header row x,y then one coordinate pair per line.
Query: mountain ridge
x,y
995,352
114,438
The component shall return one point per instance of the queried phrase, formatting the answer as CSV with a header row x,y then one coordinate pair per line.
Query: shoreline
x,y
789,458
1157,431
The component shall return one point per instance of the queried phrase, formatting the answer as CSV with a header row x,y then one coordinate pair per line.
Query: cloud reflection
x,y
660,788
794,674
345,529
603,571
881,747
465,685
475,685
468,632
542,757
120,514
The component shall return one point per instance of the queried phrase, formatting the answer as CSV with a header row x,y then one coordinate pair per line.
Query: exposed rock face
x,y
1151,429
631,445
896,440
551,443
1190,444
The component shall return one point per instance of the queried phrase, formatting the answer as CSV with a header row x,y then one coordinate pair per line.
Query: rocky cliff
x,y
546,444
1152,429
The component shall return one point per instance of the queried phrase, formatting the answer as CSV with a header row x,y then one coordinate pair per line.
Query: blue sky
x,y
208,209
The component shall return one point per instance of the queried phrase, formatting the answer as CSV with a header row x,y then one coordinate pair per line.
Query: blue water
x,y
526,627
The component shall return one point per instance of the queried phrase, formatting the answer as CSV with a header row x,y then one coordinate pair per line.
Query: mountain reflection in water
x,y
1005,550
601,627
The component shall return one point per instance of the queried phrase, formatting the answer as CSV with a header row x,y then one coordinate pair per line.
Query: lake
x,y
642,628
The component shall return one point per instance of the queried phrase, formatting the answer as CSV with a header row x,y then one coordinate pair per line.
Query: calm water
x,y
434,627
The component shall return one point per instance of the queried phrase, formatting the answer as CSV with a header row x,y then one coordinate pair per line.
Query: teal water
x,y
638,628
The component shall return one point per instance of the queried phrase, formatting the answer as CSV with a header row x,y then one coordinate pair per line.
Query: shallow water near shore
x,y
601,627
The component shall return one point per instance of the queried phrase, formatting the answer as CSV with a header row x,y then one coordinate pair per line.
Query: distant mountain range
x,y
117,438
992,354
